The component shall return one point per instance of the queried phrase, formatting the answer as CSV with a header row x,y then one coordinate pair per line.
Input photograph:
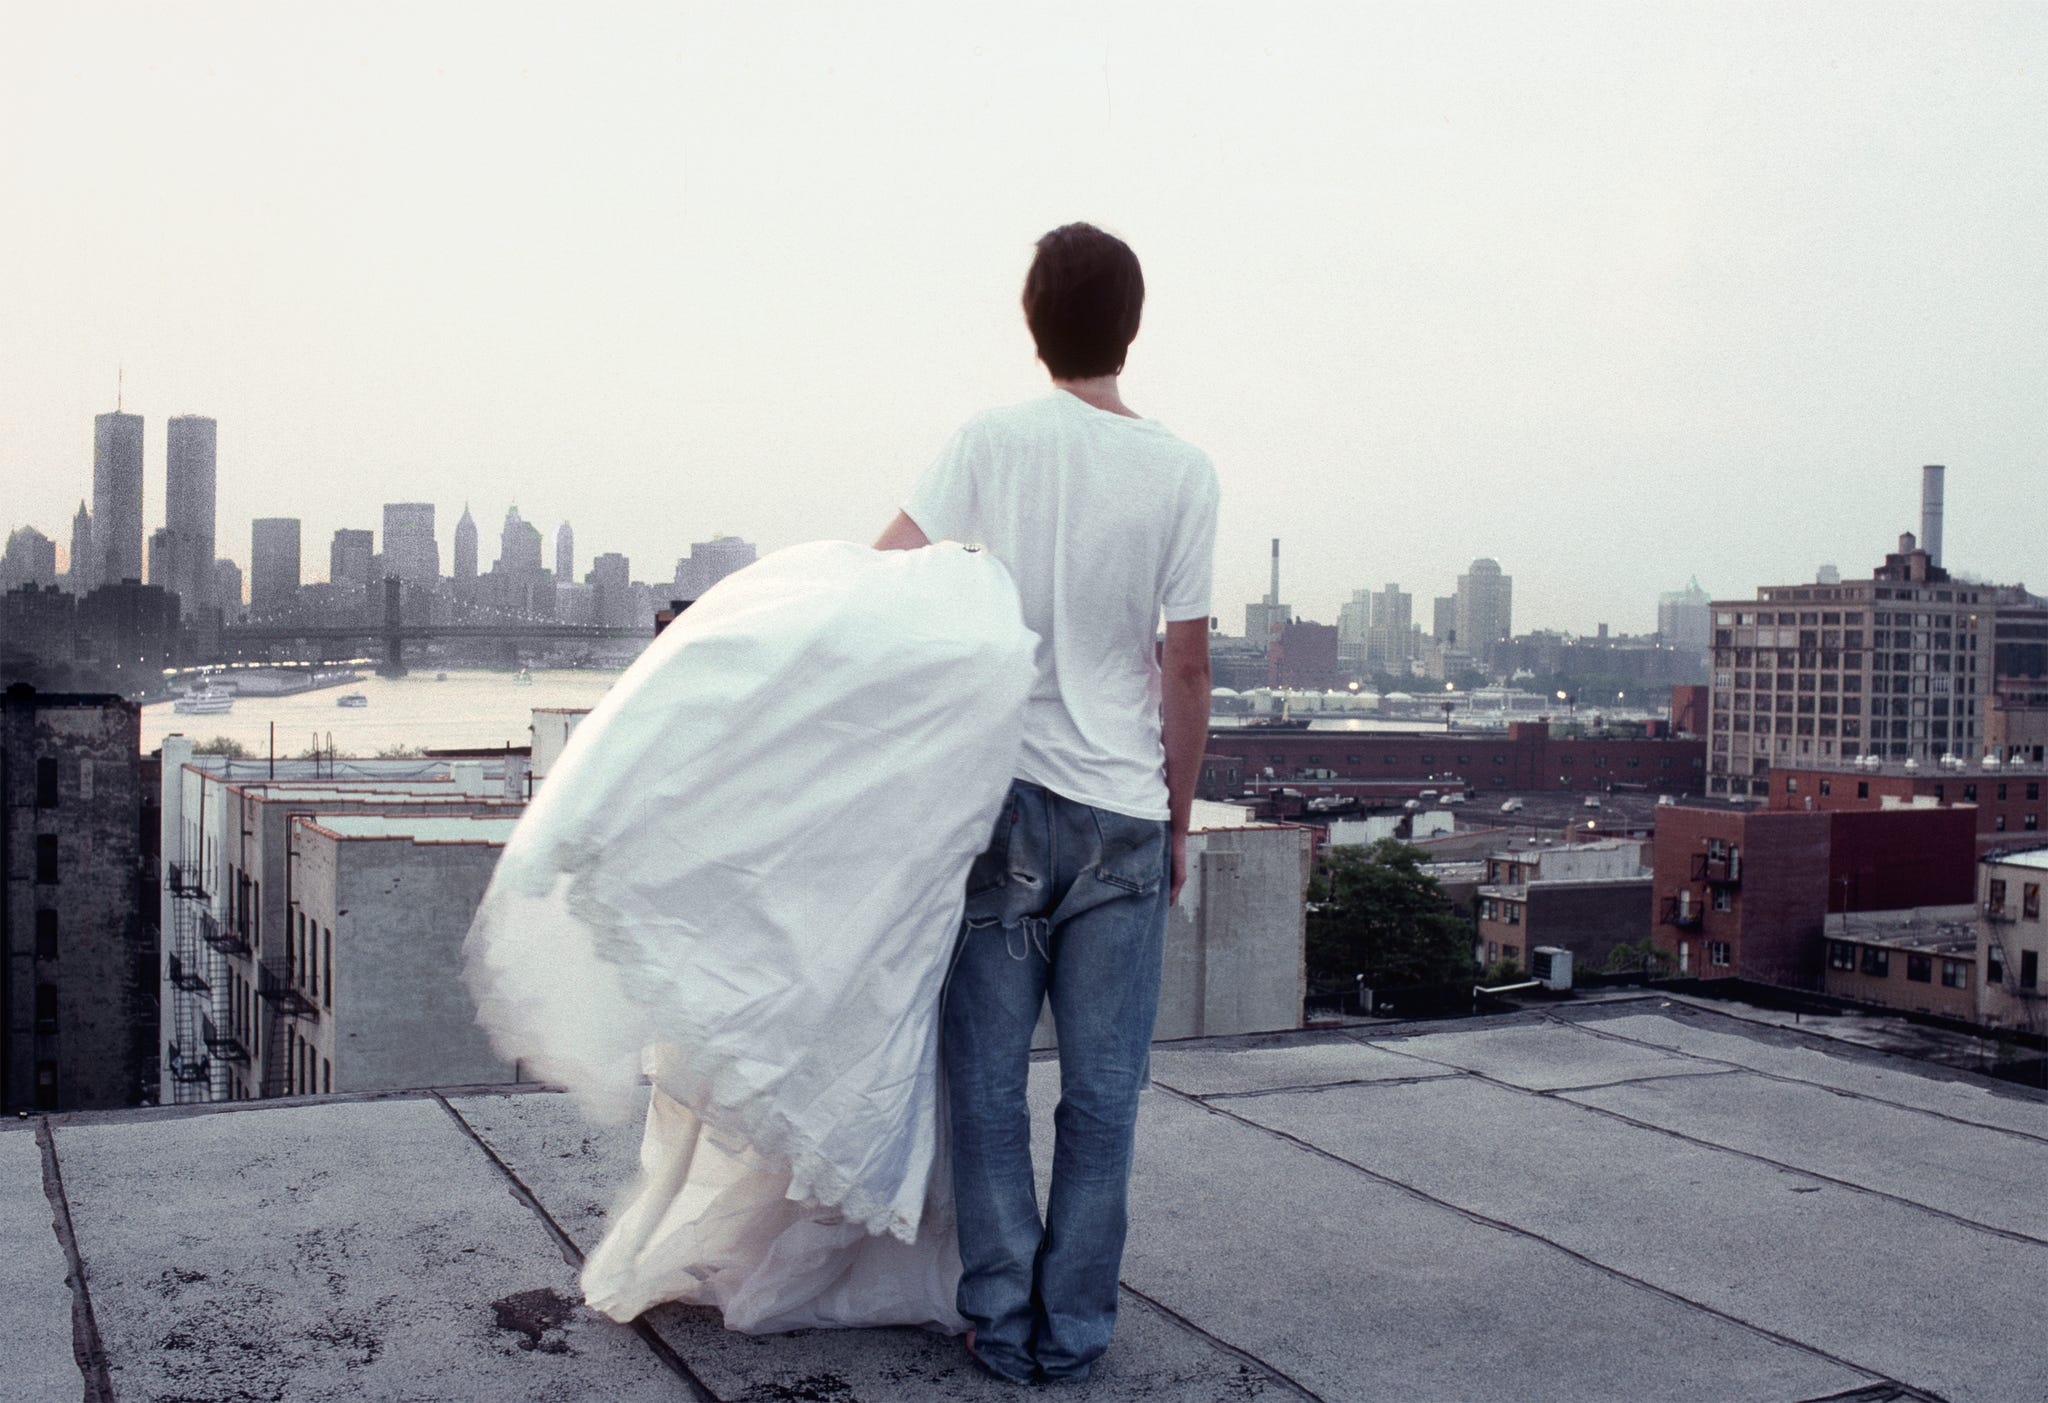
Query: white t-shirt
x,y
1105,522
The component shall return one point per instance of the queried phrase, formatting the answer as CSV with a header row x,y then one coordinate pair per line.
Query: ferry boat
x,y
205,701
351,699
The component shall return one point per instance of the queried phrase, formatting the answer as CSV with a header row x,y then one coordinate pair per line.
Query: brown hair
x,y
1082,300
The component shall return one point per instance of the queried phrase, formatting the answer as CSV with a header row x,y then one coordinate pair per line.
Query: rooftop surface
x,y
2032,857
1640,1199
421,828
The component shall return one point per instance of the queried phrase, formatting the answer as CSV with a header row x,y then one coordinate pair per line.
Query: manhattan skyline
x,y
1615,296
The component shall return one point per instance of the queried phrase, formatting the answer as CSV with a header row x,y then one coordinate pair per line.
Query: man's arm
x,y
1184,728
901,534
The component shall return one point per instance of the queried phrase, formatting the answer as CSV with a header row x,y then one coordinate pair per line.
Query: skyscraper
x,y
116,499
79,578
1485,608
189,479
227,587
611,579
518,547
1389,639
410,550
1354,620
273,562
465,547
1683,618
565,554
709,562
31,559
348,558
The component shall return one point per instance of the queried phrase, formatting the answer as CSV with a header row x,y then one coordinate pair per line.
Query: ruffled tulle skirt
x,y
734,900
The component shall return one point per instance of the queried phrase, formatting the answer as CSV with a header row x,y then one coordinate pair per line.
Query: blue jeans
x,y
1068,904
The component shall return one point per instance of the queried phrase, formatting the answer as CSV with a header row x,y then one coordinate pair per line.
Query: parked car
x,y
1592,801
1512,806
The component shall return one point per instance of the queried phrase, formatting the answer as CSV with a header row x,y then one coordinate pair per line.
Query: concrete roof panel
x,y
1839,1270
34,1275
1989,1177
1835,1065
1334,1059
327,1251
1541,1056
1367,1290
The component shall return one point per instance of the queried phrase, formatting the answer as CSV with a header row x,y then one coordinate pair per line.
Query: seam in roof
x,y
1516,1230
573,1255
1994,1089
2014,1234
1237,1352
1312,1088
86,1347
1560,1096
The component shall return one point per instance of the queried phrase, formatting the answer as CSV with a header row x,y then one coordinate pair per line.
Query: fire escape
x,y
280,987
191,1006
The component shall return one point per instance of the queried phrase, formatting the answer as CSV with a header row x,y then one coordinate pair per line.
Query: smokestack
x,y
1274,596
1930,511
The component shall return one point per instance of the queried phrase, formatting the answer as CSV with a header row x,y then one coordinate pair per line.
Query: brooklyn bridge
x,y
322,640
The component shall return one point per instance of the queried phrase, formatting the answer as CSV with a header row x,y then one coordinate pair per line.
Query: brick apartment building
x,y
2008,798
1524,757
1746,893
1583,897
1899,666
77,986
2013,941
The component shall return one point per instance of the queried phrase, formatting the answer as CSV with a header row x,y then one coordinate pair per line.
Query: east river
x,y
471,708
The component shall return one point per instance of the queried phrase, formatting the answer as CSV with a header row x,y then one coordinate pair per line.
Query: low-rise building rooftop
x,y
421,828
1636,1199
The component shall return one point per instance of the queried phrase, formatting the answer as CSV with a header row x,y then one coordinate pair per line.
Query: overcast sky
x,y
1616,294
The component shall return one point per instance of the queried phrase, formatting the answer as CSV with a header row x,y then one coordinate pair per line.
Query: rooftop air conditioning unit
x,y
1551,966
1990,761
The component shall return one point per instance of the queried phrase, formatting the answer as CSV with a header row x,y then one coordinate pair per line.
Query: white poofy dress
x,y
743,878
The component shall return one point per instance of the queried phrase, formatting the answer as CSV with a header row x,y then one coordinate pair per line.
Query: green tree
x,y
221,745
1374,911
1634,955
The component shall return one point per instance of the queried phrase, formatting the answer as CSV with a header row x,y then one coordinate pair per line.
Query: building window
x,y
46,784
46,1010
46,1086
1826,788
2030,969
1514,913
1792,784
1998,823
1724,900
1920,968
1994,895
1955,974
327,985
1841,955
1862,785
1717,953
1969,794
1877,961
326,1075
46,857
2032,823
1994,967
2030,901
46,934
